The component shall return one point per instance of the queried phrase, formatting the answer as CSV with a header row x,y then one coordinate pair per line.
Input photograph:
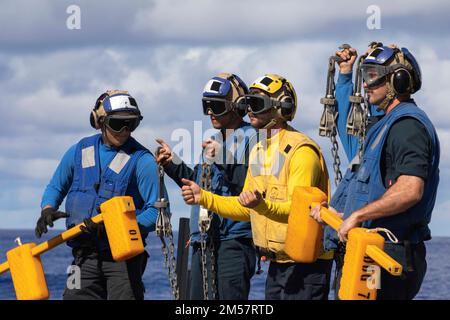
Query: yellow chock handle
x,y
4,267
118,215
374,252
328,216
63,237
384,260
55,241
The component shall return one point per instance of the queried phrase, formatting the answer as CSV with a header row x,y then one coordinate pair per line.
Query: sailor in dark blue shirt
x,y
393,184
226,154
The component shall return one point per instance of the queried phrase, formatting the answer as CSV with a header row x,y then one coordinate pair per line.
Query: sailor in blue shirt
x,y
91,172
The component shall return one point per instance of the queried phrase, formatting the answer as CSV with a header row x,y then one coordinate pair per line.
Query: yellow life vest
x,y
269,164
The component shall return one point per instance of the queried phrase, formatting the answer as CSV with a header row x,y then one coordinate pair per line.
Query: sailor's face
x,y
116,139
377,94
259,120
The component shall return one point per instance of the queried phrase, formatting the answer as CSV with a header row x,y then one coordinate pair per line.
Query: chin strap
x,y
390,96
270,124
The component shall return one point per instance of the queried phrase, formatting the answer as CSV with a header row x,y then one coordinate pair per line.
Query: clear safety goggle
x,y
374,75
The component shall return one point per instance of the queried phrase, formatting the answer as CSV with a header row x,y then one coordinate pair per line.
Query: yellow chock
x,y
27,273
364,249
124,237
304,235
125,240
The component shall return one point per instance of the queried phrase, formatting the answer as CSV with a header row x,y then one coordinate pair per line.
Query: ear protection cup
x,y
287,107
241,107
401,81
94,119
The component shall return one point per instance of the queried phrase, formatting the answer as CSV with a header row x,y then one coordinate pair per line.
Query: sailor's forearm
x,y
227,207
278,211
404,194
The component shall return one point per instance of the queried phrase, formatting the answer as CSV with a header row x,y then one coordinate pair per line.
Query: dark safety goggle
x,y
217,107
118,123
374,75
256,103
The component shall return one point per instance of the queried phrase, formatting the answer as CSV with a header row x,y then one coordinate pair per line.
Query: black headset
x,y
239,105
401,79
94,119
287,106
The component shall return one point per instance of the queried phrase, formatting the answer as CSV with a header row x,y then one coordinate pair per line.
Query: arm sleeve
x,y
344,89
227,207
61,181
148,186
179,171
304,170
409,145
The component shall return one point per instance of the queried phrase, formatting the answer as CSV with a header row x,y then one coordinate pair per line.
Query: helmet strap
x,y
270,124
390,96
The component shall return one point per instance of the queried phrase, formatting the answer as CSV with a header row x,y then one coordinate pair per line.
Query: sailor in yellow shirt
x,y
282,159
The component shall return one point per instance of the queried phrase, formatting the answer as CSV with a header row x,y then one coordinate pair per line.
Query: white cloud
x,y
33,169
165,58
42,24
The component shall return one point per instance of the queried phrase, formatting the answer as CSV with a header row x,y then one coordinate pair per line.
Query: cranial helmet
x,y
280,91
223,94
112,102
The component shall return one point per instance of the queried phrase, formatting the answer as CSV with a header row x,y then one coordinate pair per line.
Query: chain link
x,y
205,219
362,133
327,127
213,267
163,231
336,158
204,264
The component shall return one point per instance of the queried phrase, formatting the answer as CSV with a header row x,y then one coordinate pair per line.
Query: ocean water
x,y
435,286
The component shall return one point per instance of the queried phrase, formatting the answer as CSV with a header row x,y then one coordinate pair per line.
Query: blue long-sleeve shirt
x,y
143,187
344,89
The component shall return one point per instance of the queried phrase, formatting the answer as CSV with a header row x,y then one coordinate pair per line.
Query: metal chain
x,y
336,158
213,266
204,265
163,231
205,218
365,122
327,127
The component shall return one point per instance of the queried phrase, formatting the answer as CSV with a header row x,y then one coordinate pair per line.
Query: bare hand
x,y
163,153
190,192
250,199
211,149
315,212
348,224
348,58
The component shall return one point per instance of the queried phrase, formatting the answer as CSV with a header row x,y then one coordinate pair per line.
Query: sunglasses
x,y
119,123
218,107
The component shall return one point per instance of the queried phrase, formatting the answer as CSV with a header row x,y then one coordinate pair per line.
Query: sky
x,y
164,52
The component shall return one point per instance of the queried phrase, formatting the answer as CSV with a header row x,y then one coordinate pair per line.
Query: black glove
x,y
48,215
96,229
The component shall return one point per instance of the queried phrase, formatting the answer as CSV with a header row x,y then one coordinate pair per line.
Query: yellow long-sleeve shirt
x,y
304,170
